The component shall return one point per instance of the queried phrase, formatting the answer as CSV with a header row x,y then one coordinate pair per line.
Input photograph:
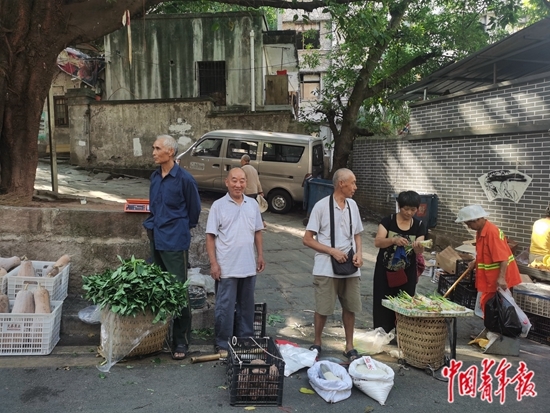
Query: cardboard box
x,y
446,260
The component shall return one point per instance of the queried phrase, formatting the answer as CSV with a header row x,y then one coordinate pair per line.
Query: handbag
x,y
396,278
347,267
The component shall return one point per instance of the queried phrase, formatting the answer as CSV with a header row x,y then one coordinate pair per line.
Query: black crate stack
x,y
465,292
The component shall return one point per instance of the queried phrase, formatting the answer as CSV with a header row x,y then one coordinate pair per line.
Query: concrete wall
x,y
93,238
120,134
165,51
442,155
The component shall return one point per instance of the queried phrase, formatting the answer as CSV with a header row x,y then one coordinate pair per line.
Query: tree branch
x,y
389,81
291,5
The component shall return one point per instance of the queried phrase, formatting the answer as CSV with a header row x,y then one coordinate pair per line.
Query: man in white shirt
x,y
328,285
233,229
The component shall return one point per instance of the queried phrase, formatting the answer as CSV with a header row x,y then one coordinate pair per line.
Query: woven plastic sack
x,y
331,391
376,384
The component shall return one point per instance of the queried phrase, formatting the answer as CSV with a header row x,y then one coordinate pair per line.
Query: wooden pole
x,y
452,287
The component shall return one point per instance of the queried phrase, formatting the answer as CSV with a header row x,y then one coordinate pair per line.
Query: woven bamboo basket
x,y
125,329
422,340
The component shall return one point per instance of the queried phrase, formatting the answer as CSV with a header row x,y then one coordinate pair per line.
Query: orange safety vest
x,y
491,249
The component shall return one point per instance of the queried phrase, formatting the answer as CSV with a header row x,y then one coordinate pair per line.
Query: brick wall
x,y
518,104
450,166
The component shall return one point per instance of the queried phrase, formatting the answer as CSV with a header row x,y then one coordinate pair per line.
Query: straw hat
x,y
262,203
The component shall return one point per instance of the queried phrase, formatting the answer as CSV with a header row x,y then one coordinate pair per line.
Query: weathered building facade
x,y
182,75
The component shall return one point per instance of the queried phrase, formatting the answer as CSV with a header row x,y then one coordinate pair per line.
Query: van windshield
x,y
208,147
278,152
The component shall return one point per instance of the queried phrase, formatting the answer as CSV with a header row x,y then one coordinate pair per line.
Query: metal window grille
x,y
60,111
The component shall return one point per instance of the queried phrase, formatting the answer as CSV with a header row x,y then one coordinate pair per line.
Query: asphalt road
x,y
68,380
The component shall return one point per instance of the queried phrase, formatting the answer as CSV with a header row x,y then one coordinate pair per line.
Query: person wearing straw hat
x,y
495,264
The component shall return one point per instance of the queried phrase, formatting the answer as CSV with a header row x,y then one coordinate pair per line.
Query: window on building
x,y
212,81
60,111
309,39
310,86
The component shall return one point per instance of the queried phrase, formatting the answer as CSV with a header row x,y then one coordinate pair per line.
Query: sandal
x,y
351,355
180,349
316,347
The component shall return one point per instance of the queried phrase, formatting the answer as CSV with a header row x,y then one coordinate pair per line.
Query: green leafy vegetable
x,y
137,287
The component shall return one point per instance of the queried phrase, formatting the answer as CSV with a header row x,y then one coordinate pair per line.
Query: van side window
x,y
236,149
208,147
276,152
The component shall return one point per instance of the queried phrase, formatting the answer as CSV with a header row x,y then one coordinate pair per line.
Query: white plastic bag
x,y
296,358
376,383
371,342
195,277
90,315
525,323
331,391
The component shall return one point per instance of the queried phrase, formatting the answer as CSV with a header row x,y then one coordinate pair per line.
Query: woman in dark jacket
x,y
398,238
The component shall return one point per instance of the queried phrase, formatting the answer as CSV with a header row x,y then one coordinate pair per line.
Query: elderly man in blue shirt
x,y
174,205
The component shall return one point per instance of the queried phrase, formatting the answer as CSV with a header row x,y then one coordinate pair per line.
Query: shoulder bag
x,y
347,267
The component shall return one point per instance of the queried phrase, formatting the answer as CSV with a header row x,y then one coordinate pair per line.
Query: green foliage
x,y
135,287
206,6
203,333
370,53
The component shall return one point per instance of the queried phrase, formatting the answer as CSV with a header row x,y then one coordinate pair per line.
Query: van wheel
x,y
279,201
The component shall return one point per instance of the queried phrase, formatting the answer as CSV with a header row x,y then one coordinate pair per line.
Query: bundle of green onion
x,y
433,303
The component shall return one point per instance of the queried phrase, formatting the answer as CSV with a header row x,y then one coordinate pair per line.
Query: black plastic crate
x,y
540,328
461,266
260,316
463,294
255,372
445,282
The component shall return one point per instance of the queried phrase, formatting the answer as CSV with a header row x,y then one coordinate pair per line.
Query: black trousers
x,y
175,262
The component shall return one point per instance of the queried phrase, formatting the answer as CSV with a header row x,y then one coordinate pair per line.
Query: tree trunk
x,y
32,34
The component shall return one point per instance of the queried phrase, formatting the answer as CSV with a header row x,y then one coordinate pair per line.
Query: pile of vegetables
x,y
432,303
6,264
27,301
137,287
542,265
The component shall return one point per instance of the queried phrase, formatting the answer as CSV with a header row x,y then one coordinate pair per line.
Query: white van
x,y
283,161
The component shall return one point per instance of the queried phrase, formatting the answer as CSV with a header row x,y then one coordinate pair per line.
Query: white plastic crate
x,y
57,286
533,298
30,334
